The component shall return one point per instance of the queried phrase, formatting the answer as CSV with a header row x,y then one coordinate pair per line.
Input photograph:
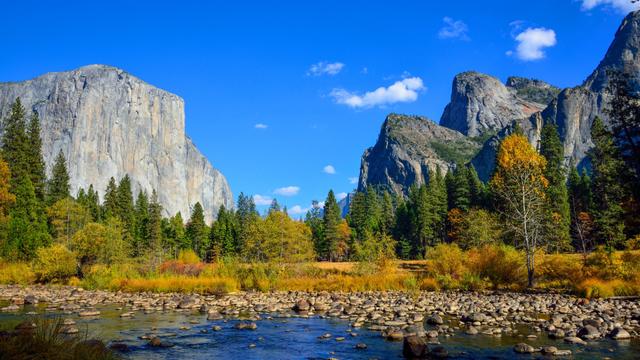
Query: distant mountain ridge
x,y
483,110
109,123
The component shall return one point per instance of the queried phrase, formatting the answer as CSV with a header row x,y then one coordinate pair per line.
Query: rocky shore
x,y
418,319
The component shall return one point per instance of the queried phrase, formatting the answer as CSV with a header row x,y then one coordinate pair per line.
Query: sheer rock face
x,y
109,123
482,104
408,150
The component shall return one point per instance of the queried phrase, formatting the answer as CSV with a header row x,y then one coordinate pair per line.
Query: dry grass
x,y
373,282
16,273
184,284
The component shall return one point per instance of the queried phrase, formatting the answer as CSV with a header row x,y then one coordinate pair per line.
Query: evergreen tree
x,y
126,211
15,144
477,189
197,231
314,220
274,206
388,217
331,223
458,188
58,187
608,192
402,230
27,228
558,215
93,203
34,157
579,193
246,215
111,202
174,235
358,216
154,226
141,240
224,234
438,194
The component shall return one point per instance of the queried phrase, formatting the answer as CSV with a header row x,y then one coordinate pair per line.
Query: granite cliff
x,y
109,123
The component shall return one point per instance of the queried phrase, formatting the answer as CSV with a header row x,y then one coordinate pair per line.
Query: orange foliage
x,y
6,197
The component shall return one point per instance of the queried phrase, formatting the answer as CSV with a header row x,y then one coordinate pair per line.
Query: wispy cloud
x,y
287,191
261,126
299,210
329,169
454,29
325,68
405,90
622,6
353,180
340,196
532,43
262,200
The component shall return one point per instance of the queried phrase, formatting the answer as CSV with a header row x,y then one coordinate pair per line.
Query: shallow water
x,y
297,338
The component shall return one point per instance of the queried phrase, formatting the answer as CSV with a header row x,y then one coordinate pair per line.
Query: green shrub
x,y
55,263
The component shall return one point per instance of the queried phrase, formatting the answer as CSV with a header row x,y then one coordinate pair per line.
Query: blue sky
x,y
282,98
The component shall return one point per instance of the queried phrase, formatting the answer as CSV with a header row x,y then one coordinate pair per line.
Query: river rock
x,y
523,348
619,334
414,347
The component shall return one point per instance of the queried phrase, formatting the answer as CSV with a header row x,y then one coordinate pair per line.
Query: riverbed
x,y
191,332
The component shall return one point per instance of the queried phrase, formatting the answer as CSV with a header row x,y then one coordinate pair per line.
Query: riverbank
x,y
432,316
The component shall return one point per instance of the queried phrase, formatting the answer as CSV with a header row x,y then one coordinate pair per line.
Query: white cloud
x,y
262,200
329,169
297,210
340,196
405,90
532,42
353,180
287,191
325,68
623,6
454,29
261,126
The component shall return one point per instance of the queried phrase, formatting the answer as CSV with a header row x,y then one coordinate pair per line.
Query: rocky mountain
x,y
109,123
483,110
482,104
409,149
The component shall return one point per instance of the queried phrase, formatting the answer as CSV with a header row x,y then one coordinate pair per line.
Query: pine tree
x,y
358,216
314,221
111,202
58,187
224,234
477,189
15,143
558,216
388,217
608,193
197,231
579,192
374,210
438,193
34,158
141,240
331,223
246,215
174,235
126,212
27,228
458,188
402,230
93,203
274,206
154,226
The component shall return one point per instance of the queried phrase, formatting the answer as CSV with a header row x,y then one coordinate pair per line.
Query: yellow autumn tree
x,y
6,197
518,185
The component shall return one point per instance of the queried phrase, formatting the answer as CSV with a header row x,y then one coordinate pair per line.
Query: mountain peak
x,y
622,56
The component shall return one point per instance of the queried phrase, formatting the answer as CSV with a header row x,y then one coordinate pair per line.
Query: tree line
x,y
532,201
